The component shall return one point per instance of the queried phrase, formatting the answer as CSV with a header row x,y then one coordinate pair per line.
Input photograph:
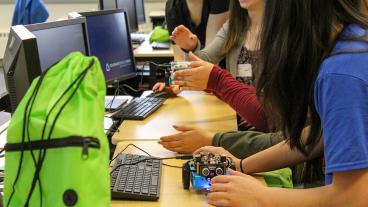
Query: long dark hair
x,y
296,37
239,23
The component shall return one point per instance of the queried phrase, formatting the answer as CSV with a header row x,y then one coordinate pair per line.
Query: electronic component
x,y
175,66
203,167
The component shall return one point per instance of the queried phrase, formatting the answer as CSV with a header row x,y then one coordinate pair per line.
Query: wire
x,y
3,130
184,157
171,165
130,88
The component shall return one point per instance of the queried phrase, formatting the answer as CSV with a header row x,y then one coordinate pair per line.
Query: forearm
x,y
279,156
215,22
178,53
241,97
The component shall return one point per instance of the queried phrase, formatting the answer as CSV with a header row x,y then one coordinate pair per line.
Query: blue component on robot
x,y
202,168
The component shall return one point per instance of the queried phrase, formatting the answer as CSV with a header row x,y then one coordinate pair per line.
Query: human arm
x,y
219,14
241,97
214,24
188,139
347,189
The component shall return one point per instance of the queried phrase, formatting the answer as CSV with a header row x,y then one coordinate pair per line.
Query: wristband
x,y
241,166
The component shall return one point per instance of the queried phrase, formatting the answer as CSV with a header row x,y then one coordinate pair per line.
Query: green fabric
x,y
159,34
243,144
64,167
279,178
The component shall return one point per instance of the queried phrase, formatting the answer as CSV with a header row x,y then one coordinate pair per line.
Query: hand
x,y
219,151
236,190
160,86
190,139
195,78
184,38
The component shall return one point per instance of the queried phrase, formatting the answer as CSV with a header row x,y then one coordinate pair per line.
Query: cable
x,y
182,157
130,88
3,130
171,165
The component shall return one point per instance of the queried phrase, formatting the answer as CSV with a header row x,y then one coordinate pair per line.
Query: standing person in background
x,y
202,17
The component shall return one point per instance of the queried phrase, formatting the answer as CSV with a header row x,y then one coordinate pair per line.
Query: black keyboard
x,y
136,180
139,108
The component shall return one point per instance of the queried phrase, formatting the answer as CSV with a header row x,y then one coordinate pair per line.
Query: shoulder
x,y
349,57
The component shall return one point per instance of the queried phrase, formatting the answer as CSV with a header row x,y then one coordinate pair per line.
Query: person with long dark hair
x,y
237,40
314,72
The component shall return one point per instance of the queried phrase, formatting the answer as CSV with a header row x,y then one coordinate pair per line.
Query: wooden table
x,y
172,192
146,51
190,108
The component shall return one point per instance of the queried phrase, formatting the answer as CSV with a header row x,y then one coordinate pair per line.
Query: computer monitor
x,y
139,6
109,40
32,49
129,7
107,4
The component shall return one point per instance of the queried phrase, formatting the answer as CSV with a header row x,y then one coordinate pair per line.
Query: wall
x,y
60,11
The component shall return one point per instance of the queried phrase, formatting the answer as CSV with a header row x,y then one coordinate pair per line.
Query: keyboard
x,y
139,108
140,181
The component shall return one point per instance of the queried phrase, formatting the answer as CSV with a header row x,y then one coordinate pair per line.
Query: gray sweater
x,y
212,52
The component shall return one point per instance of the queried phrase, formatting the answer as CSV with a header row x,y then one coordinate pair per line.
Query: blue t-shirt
x,y
341,99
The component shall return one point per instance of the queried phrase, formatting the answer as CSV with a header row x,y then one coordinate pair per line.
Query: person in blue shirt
x,y
314,73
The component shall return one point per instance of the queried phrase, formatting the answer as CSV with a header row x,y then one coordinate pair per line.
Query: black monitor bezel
x,y
101,5
136,26
144,12
62,23
113,11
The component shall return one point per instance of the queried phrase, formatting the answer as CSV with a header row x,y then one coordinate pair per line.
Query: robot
x,y
202,168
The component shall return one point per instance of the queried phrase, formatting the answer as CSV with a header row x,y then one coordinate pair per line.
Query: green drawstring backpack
x,y
57,151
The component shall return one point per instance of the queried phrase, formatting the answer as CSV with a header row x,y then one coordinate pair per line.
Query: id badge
x,y
244,71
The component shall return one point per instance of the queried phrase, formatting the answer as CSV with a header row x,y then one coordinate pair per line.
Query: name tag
x,y
244,71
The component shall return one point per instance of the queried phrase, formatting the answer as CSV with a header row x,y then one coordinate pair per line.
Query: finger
x,y
193,57
236,173
204,149
221,179
161,87
219,187
182,28
173,144
220,202
188,89
184,128
170,138
195,64
183,73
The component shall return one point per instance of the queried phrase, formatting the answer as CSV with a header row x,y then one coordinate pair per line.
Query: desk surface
x,y
145,51
190,108
172,192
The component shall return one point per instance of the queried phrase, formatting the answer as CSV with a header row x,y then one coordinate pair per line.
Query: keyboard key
x,y
140,181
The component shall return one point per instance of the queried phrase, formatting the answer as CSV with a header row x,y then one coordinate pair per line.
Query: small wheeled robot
x,y
202,168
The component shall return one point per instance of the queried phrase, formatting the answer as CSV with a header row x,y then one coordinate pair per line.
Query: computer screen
x,y
31,49
129,7
57,42
107,4
141,17
109,41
